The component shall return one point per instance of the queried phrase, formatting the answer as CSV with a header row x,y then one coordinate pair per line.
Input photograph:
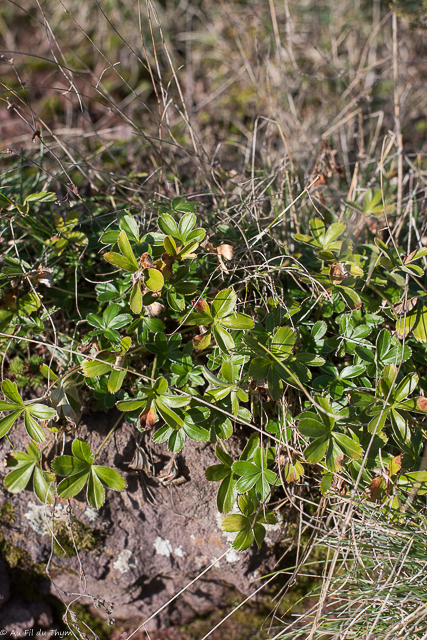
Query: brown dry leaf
x,y
226,251
422,403
154,309
147,419
146,261
202,341
340,461
200,305
42,275
338,272
375,487
395,465
167,265
9,300
400,308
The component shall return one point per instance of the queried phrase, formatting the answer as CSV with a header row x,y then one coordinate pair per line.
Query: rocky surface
x,y
146,543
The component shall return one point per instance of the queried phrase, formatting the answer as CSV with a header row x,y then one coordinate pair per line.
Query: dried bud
x,y
200,305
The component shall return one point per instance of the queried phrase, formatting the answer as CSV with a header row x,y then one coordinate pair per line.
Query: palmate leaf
x,y
80,470
7,422
224,303
11,392
95,491
223,339
17,480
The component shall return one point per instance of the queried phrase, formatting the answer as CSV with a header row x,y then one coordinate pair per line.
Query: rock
x,y
147,542
16,619
4,583
42,613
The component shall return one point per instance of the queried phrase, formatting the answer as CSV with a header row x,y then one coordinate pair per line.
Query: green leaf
x,y
245,469
131,405
352,371
196,433
377,423
224,303
244,539
154,280
223,456
383,343
71,486
259,368
69,466
126,249
135,300
238,321
316,450
351,297
405,324
317,228
227,494
234,522
168,225
334,231
128,224
170,417
187,249
419,405
327,408
283,340
246,483
217,472
94,368
319,329
115,380
251,446
17,480
406,387
176,441
163,434
170,246
42,489
117,260
161,386
33,452
349,446
259,534
420,328
111,478
223,339
11,392
41,411
310,425
186,224
7,422
95,491
10,406
34,430
401,429
82,451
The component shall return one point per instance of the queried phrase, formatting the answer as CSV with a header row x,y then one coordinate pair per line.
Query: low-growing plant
x,y
330,373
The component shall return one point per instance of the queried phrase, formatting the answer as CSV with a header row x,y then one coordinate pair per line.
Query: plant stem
x,y
110,433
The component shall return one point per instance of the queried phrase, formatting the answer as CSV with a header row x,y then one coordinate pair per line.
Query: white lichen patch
x,y
91,514
179,552
217,563
125,562
163,547
37,516
232,556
